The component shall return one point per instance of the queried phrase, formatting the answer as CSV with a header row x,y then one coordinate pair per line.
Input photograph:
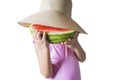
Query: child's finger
x,y
39,35
44,36
34,35
65,42
62,43
69,39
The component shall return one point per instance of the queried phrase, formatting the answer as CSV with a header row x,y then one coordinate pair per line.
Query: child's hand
x,y
71,43
40,40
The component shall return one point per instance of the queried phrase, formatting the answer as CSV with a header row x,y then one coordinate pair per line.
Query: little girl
x,y
59,61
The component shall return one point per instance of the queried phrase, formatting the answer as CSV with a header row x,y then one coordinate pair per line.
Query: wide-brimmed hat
x,y
51,18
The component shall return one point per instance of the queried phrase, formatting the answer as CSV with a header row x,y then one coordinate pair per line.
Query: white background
x,y
100,18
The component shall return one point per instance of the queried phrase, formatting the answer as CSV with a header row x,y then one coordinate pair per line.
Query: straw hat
x,y
55,13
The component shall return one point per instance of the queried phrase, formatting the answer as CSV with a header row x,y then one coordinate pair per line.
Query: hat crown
x,y
62,6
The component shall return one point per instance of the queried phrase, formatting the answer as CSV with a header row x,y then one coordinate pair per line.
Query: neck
x,y
62,6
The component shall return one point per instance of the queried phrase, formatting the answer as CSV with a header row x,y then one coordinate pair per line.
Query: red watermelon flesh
x,y
47,28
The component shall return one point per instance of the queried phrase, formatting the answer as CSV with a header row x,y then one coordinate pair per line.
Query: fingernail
x,y
65,42
69,39
62,43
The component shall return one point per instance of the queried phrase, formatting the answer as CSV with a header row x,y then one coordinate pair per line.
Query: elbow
x,y
46,75
83,58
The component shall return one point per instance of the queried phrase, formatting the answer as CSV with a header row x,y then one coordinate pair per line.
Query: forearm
x,y
80,53
44,62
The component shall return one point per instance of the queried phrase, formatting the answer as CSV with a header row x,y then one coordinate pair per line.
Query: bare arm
x,y
42,51
80,53
74,44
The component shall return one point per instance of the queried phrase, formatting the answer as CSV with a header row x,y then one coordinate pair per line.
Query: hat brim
x,y
51,18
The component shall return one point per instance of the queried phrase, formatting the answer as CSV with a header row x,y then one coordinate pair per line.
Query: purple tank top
x,y
65,63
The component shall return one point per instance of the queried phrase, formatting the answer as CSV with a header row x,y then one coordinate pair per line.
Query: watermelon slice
x,y
54,35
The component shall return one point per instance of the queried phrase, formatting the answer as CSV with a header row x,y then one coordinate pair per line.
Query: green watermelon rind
x,y
32,31
58,37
